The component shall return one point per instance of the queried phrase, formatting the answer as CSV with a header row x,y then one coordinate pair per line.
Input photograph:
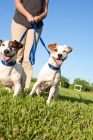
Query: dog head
x,y
9,49
58,53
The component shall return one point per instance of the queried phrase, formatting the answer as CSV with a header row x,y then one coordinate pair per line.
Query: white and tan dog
x,y
11,73
50,74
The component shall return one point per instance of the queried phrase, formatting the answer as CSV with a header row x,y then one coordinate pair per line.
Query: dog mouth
x,y
58,61
7,57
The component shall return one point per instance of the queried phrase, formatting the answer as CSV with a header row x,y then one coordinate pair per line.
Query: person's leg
x,y
26,64
17,31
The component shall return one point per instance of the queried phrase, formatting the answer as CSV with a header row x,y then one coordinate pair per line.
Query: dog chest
x,y
47,84
9,76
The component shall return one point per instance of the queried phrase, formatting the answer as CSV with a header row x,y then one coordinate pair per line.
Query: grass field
x,y
25,118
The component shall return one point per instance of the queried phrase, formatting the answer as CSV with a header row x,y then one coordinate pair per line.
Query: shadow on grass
x,y
68,98
73,99
62,97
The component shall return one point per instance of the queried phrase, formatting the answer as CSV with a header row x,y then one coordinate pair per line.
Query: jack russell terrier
x,y
11,73
50,73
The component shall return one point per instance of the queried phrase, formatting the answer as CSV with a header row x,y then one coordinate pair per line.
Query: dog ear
x,y
69,49
20,45
52,46
17,44
1,41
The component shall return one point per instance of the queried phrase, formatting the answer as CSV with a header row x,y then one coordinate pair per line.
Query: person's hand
x,y
29,18
37,19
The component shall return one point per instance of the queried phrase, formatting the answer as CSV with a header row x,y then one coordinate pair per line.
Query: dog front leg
x,y
51,93
56,92
38,91
16,89
34,88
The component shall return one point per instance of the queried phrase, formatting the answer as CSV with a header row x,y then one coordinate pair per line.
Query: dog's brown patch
x,y
15,45
52,47
10,44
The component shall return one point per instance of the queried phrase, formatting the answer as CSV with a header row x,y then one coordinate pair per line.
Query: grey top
x,y
34,7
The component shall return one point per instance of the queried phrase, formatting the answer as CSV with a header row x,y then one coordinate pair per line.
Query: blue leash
x,y
33,49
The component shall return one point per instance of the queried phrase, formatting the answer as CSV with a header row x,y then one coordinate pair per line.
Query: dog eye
x,y
3,44
55,50
64,51
13,46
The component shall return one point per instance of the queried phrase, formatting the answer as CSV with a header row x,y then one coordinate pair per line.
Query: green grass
x,y
25,118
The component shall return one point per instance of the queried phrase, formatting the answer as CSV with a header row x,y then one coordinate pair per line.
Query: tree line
x,y
86,86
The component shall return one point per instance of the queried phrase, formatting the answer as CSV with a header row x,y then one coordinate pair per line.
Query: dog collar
x,y
8,63
52,67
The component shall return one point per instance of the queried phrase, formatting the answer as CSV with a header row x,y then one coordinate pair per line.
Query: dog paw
x,y
30,95
14,96
47,102
38,95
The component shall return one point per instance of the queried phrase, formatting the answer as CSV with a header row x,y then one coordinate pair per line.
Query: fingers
x,y
30,18
37,19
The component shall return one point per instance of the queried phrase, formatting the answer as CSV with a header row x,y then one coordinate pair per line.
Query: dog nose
x,y
6,51
59,55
